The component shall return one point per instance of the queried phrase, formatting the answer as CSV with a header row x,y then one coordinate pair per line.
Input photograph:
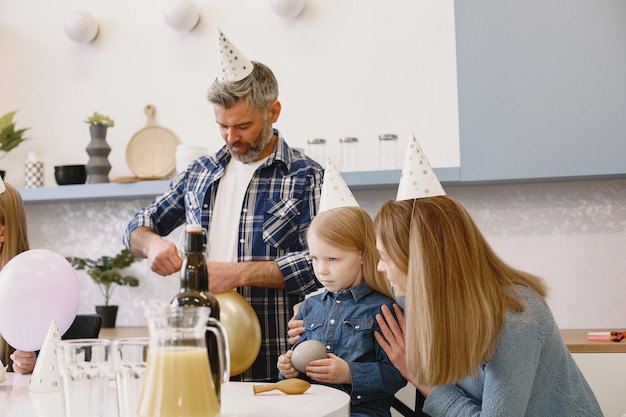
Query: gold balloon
x,y
243,330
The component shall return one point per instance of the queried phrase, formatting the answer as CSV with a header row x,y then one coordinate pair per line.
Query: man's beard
x,y
259,145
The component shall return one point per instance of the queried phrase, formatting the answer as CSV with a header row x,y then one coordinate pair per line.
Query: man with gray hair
x,y
256,197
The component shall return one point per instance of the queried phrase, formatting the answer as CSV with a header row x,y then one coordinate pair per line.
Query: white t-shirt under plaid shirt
x,y
281,200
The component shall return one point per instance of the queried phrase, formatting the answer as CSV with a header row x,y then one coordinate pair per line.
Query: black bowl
x,y
70,174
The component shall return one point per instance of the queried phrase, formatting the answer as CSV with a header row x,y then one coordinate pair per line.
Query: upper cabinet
x,y
542,88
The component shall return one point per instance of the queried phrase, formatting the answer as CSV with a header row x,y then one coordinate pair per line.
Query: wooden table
x,y
575,339
123,332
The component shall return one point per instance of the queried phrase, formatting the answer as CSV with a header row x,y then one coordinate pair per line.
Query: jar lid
x,y
316,141
387,136
348,139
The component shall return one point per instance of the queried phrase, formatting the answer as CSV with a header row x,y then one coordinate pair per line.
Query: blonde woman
x,y
13,241
343,252
477,336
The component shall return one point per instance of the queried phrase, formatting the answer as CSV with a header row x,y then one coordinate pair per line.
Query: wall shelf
x,y
149,189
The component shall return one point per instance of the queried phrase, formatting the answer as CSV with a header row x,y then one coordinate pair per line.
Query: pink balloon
x,y
36,286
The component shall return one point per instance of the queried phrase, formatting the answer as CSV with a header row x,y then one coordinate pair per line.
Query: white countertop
x,y
238,400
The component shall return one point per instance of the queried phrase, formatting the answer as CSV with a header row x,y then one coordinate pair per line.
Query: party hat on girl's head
x,y
234,66
418,180
2,187
335,191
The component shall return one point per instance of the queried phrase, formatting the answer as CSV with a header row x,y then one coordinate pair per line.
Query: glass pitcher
x,y
178,381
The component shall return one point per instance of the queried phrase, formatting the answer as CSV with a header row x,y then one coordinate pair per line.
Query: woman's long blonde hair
x,y
458,289
351,228
13,217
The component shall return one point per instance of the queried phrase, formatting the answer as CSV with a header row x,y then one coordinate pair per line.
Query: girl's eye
x,y
332,259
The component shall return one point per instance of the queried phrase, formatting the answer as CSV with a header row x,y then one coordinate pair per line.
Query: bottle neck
x,y
194,275
194,242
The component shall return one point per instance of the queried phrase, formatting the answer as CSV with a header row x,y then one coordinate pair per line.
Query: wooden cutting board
x,y
151,152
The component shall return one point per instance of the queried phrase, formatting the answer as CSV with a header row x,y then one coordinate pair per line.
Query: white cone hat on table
x,y
418,180
46,376
234,66
335,191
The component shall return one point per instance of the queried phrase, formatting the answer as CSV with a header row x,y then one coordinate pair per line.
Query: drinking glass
x,y
129,359
85,368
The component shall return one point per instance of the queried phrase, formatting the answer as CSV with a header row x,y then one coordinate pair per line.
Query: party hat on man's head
x,y
335,191
2,187
234,66
418,180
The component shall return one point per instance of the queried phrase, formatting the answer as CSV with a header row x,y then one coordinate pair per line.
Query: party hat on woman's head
x,y
2,187
418,180
234,66
335,191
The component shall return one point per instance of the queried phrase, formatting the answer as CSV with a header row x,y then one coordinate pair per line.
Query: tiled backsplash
x,y
571,233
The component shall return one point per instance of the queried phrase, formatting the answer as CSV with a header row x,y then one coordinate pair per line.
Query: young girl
x,y
343,251
13,241
478,337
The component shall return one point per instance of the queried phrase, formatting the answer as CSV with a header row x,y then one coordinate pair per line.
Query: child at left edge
x,y
342,247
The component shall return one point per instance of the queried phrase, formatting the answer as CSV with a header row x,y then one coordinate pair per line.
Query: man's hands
x,y
163,257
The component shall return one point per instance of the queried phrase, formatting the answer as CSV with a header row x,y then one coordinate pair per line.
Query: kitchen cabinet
x,y
541,88
606,374
604,367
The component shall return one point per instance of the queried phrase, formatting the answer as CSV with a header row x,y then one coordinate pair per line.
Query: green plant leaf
x,y
105,271
99,119
10,138
6,120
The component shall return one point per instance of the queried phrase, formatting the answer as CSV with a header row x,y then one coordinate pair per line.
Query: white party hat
x,y
234,66
2,187
46,376
335,191
418,180
3,371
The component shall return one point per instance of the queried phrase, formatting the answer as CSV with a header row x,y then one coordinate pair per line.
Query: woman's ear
x,y
2,237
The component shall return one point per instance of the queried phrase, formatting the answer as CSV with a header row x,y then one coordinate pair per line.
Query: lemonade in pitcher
x,y
178,383
178,380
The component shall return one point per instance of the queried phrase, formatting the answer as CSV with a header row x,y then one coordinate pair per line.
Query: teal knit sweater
x,y
530,374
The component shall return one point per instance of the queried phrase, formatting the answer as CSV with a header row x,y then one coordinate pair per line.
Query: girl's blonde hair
x,y
13,218
351,228
458,289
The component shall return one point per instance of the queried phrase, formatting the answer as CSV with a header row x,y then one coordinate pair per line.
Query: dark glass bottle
x,y
194,291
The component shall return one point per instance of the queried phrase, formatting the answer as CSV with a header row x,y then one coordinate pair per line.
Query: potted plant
x,y
106,272
98,166
97,119
10,137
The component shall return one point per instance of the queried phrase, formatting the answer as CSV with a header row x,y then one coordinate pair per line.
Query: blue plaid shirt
x,y
281,200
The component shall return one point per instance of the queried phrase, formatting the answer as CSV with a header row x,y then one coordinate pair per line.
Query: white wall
x,y
345,68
